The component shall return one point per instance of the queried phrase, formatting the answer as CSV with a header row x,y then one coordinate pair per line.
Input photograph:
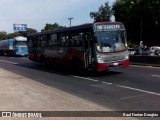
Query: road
x,y
133,89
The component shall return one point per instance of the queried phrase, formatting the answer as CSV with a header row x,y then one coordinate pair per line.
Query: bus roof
x,y
82,26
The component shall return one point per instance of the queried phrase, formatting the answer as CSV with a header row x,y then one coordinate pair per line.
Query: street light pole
x,y
70,19
141,30
141,26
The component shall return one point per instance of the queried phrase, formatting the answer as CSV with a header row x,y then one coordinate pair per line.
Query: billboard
x,y
19,27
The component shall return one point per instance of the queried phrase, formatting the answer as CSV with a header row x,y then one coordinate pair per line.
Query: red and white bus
x,y
94,46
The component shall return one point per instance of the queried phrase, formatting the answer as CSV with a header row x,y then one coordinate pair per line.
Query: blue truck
x,y
14,47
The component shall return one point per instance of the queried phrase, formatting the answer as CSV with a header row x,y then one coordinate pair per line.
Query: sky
x,y
36,13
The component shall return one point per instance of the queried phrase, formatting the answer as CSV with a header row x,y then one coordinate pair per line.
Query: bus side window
x,y
39,41
81,39
44,41
88,38
30,43
71,41
62,40
67,37
35,42
53,40
47,40
85,41
75,39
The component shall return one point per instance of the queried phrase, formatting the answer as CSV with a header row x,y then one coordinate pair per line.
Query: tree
x,y
3,35
52,27
29,31
141,18
12,35
103,13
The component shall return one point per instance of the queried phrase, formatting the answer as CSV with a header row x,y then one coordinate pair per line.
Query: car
x,y
154,50
138,51
131,51
146,51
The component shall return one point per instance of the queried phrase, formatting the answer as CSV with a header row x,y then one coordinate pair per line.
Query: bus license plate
x,y
115,64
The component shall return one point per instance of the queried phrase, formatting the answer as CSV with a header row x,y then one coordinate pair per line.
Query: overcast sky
x,y
36,13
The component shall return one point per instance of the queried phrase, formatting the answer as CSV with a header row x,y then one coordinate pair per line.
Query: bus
x,y
98,46
14,47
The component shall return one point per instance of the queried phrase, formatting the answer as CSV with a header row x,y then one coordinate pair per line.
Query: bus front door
x,y
87,53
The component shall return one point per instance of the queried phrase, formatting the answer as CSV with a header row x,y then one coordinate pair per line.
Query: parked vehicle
x,y
146,51
154,50
131,51
14,47
138,51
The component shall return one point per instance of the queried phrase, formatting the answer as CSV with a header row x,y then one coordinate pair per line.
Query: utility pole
x,y
70,19
141,30
141,23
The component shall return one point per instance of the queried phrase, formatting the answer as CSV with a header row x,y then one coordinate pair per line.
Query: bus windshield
x,y
21,43
111,41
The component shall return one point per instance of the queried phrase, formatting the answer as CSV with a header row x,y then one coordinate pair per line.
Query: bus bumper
x,y
113,65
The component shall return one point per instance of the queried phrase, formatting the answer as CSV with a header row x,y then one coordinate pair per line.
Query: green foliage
x,y
29,31
52,27
11,35
3,35
141,18
103,13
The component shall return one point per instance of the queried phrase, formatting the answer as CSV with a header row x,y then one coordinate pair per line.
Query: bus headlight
x,y
127,57
100,60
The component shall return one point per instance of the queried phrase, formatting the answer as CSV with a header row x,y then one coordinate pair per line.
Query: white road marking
x,y
107,83
131,97
144,91
130,88
156,76
9,62
86,78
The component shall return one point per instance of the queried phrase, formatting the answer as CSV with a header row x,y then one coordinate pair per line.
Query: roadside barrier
x,y
145,60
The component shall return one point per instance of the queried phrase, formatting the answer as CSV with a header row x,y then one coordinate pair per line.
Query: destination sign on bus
x,y
107,27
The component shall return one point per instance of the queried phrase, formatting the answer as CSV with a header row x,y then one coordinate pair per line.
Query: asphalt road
x,y
133,89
